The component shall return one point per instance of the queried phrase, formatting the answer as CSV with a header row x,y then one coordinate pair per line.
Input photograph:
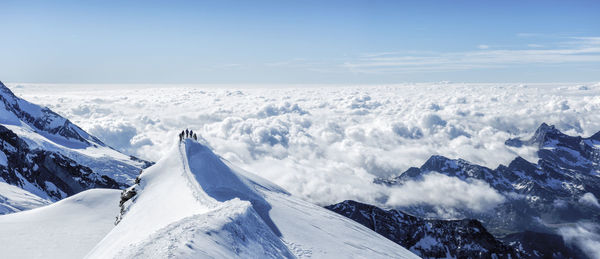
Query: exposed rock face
x,y
55,174
428,238
127,197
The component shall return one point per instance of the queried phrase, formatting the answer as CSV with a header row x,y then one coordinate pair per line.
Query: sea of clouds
x,y
327,143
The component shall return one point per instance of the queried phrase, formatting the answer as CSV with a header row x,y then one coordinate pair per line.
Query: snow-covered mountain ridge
x,y
42,120
193,203
50,157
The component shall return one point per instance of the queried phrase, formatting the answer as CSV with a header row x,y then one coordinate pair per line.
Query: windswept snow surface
x,y
193,203
15,199
232,230
66,229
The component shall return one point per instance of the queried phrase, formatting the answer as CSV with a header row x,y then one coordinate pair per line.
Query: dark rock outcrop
x,y
428,238
51,172
542,245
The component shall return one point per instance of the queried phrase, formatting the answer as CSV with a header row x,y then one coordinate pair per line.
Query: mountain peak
x,y
542,131
436,161
4,90
23,114
442,163
175,198
541,135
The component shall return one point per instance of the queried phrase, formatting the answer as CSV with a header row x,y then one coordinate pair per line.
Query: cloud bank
x,y
585,236
589,199
446,193
327,143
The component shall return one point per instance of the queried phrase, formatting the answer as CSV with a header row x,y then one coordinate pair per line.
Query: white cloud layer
x,y
446,193
585,236
589,199
327,143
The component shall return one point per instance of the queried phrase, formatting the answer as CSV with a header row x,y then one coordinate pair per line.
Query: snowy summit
x,y
193,203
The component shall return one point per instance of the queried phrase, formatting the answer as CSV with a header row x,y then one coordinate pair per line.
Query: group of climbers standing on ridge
x,y
187,134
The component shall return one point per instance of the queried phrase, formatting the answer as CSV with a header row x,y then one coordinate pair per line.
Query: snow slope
x,y
66,229
15,199
193,203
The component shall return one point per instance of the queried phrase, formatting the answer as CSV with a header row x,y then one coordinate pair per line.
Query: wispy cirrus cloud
x,y
568,50
533,45
289,62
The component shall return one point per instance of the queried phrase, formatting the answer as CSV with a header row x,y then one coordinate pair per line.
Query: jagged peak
x,y
539,137
436,162
543,130
438,159
545,126
546,134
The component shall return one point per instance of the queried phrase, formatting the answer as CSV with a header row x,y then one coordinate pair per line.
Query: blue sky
x,y
342,42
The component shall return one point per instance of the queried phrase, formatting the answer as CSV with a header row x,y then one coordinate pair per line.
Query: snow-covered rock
x,y
48,156
194,204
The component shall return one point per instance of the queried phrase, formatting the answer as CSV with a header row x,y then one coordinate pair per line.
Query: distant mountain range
x,y
554,189
560,189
